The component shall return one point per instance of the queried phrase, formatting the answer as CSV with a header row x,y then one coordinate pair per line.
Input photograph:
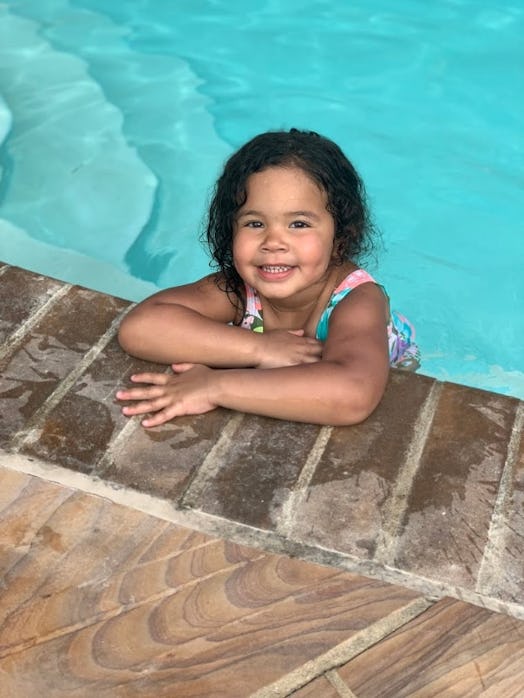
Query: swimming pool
x,y
116,117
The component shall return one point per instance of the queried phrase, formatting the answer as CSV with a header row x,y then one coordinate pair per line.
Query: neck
x,y
304,311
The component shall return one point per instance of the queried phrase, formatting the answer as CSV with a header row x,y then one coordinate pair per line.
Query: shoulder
x,y
365,309
358,331
366,295
354,278
206,296
358,289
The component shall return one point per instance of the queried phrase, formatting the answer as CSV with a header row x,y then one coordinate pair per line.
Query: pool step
x,y
76,180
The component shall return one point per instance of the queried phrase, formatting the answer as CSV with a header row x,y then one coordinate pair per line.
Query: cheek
x,y
317,251
240,247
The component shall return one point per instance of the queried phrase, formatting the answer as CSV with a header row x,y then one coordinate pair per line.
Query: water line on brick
x,y
12,343
32,428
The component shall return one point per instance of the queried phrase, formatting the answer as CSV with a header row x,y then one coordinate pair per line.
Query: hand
x,y
288,348
169,396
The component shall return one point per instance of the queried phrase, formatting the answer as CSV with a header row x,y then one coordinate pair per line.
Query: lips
x,y
275,272
275,268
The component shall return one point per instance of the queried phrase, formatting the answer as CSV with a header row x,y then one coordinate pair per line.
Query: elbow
x,y
351,416
356,406
129,334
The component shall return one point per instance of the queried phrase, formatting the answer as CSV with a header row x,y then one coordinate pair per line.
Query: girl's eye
x,y
253,224
299,224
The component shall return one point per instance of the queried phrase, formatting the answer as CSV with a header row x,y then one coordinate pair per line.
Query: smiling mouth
x,y
275,268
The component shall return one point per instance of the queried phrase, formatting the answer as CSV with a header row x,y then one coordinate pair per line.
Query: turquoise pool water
x,y
116,117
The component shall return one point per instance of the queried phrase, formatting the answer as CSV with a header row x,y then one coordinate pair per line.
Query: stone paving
x,y
427,495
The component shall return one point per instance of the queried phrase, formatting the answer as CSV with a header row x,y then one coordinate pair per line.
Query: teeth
x,y
275,269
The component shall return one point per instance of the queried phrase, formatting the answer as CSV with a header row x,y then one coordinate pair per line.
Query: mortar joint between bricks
x,y
396,507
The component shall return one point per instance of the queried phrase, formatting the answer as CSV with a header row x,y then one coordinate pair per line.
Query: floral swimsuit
x,y
403,351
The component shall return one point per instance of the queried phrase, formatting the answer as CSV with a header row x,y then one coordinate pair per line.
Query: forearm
x,y
320,393
168,333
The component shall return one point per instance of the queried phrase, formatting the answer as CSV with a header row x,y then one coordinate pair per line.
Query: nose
x,y
274,238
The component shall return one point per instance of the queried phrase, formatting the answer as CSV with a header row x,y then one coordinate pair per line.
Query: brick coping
x,y
427,493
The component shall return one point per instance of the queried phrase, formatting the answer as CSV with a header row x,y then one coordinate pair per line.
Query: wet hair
x,y
323,161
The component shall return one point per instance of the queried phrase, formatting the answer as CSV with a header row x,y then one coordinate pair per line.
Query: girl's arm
x,y
343,388
191,323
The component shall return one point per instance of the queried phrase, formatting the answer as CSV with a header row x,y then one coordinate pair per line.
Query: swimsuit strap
x,y
357,277
351,281
403,350
252,319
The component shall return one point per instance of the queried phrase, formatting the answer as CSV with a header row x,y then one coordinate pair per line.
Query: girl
x,y
289,326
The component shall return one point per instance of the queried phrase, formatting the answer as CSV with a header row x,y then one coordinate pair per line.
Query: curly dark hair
x,y
323,161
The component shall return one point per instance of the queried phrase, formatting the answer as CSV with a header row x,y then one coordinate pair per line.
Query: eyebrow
x,y
306,214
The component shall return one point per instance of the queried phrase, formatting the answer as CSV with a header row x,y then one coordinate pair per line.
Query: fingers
x,y
146,393
288,348
150,398
156,396
165,396
157,419
144,406
311,359
314,350
160,416
181,368
148,401
311,343
154,378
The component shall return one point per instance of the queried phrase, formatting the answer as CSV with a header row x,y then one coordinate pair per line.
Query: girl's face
x,y
283,235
